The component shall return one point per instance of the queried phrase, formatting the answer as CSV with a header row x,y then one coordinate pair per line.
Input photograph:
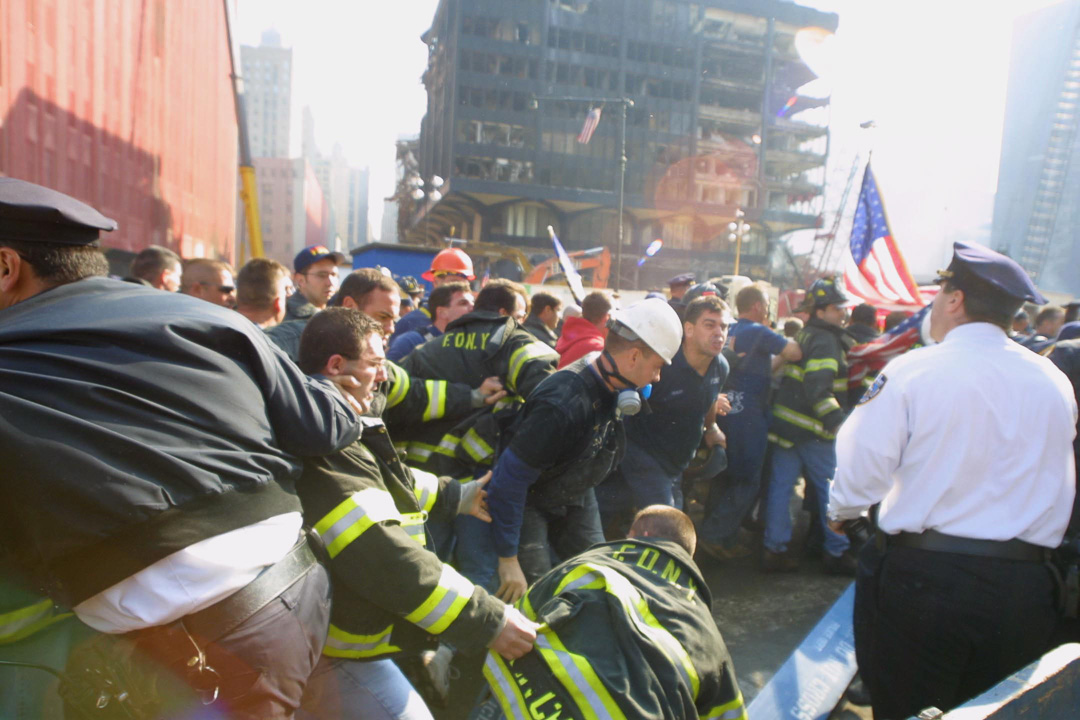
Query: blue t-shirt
x,y
754,345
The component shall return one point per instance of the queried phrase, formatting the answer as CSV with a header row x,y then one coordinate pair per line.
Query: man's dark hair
x,y
440,296
541,301
360,283
664,522
895,318
152,261
748,297
984,302
595,306
334,331
500,294
792,326
57,264
702,305
864,314
1072,312
256,283
197,270
1048,313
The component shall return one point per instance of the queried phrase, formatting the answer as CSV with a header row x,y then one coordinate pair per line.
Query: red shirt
x,y
579,338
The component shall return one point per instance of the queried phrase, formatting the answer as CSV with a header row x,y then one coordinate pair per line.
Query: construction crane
x,y
248,194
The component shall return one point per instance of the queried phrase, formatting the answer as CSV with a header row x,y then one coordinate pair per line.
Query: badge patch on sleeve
x,y
873,390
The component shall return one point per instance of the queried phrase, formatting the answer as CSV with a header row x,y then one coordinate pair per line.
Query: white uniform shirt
x,y
191,579
971,438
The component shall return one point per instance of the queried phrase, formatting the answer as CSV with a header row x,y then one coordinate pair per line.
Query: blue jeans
x,y
733,492
342,688
550,536
818,458
474,552
638,482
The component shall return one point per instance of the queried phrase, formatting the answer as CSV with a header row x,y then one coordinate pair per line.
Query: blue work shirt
x,y
406,342
754,344
416,320
672,431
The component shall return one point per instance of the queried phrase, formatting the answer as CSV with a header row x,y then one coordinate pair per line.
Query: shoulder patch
x,y
873,390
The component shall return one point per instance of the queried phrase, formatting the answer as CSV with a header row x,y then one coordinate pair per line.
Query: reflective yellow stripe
x,y
580,578
425,487
826,406
793,371
505,689
804,421
578,677
413,525
840,385
419,452
637,609
347,645
399,385
444,604
787,444
436,405
354,516
822,364
26,621
525,606
475,446
524,354
734,710
507,402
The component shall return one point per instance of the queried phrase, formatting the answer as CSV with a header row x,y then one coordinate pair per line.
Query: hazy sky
x,y
931,73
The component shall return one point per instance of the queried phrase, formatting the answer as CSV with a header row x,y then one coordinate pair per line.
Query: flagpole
x,y
624,103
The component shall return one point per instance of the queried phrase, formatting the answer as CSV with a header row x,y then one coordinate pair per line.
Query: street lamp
x,y
736,230
623,103
432,193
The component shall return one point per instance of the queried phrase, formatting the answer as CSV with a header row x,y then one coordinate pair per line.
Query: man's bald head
x,y
663,522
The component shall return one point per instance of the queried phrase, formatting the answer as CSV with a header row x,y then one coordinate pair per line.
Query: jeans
x,y
377,689
638,482
561,533
475,552
818,459
734,491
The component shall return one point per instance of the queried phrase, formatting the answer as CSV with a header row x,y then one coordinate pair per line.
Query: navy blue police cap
x,y
684,279
993,268
32,213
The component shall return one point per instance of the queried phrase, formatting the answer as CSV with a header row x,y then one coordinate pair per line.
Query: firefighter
x,y
566,439
391,594
808,409
627,632
450,265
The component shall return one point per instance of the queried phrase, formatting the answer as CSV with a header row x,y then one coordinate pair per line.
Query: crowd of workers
x,y
282,492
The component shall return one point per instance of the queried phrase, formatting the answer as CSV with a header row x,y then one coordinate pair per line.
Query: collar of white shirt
x,y
976,332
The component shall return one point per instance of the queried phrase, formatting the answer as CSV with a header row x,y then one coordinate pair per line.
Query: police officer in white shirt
x,y
966,446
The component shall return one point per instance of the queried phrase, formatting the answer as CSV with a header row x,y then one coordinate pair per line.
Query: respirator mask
x,y
629,401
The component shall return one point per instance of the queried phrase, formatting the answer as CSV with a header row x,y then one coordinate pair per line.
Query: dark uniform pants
x,y
936,629
263,663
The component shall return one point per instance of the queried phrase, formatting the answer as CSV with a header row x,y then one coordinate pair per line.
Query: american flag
x,y
868,359
875,270
591,121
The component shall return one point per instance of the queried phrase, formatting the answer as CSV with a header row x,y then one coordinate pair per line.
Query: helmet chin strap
x,y
628,401
614,373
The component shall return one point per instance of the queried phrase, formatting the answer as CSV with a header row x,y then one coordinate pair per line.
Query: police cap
x,y
995,269
684,279
32,213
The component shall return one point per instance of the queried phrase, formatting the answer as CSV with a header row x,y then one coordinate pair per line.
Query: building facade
x,y
128,107
716,126
1037,206
292,209
359,229
267,72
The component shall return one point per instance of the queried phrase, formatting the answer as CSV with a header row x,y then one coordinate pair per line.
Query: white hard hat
x,y
655,323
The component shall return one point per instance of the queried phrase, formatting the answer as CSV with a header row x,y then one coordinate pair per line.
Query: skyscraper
x,y
267,71
1037,207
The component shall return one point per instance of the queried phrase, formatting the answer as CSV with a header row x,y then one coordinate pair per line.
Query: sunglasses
x,y
221,288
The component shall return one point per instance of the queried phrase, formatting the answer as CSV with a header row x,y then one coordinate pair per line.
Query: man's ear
x,y
335,366
12,269
348,302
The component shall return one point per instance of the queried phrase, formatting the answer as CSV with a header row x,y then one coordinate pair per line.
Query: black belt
x,y
226,615
940,542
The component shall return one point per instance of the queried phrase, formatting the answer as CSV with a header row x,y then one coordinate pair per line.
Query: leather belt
x,y
226,615
940,542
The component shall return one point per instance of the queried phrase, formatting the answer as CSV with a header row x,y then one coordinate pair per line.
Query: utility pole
x,y
624,103
736,230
